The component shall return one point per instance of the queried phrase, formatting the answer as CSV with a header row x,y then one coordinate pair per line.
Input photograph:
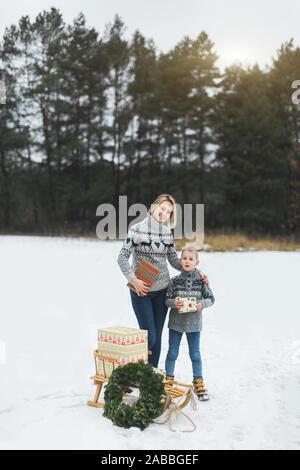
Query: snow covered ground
x,y
56,292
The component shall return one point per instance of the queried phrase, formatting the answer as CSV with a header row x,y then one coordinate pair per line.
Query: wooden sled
x,y
98,379
177,392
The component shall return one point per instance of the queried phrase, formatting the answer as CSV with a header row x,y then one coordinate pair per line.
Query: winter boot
x,y
170,378
199,389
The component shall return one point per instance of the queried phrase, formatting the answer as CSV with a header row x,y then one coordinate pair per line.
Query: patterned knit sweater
x,y
187,284
153,241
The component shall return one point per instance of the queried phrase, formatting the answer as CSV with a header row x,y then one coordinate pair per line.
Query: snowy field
x,y
56,292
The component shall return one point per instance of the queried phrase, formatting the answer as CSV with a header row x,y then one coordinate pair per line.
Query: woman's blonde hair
x,y
161,198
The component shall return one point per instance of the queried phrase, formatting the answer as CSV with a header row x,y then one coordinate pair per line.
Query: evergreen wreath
x,y
149,404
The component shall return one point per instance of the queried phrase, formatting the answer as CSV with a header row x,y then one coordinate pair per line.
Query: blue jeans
x,y
150,311
194,350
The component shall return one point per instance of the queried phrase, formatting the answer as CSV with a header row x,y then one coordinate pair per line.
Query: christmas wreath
x,y
149,404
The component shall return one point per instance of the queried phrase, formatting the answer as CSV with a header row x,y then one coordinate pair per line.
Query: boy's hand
x,y
178,303
199,306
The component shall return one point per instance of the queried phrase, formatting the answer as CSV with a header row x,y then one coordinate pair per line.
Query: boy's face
x,y
188,260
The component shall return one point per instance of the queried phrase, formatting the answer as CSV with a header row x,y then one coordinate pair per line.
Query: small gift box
x,y
147,272
190,305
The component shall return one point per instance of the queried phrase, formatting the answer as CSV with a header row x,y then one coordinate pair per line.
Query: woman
x,y
151,239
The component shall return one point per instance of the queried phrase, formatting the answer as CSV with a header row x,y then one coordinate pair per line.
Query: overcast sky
x,y
249,31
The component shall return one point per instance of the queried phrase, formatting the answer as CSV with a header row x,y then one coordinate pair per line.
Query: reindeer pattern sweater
x,y
153,241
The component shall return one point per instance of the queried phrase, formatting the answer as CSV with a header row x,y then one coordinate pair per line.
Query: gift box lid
x,y
122,330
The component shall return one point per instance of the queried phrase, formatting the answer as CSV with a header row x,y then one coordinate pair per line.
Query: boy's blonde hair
x,y
161,198
190,248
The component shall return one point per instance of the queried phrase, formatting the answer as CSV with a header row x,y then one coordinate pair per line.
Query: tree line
x,y
88,118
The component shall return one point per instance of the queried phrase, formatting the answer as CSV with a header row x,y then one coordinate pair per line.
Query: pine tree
x,y
82,68
251,145
141,148
118,53
12,133
284,71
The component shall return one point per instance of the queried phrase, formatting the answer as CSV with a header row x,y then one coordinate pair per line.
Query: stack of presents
x,y
120,345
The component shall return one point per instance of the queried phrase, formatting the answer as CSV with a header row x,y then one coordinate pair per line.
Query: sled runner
x,y
176,392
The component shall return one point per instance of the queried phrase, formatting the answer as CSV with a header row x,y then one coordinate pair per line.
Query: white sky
x,y
245,31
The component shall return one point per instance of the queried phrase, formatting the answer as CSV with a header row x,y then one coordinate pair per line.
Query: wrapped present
x,y
145,271
121,345
190,305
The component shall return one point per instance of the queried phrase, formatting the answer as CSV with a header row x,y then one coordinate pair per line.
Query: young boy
x,y
187,284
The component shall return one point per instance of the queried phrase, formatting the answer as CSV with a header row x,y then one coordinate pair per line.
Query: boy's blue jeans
x,y
194,350
150,311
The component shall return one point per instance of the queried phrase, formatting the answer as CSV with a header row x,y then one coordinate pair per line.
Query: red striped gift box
x,y
147,272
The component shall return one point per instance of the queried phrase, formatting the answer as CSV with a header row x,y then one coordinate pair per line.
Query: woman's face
x,y
163,211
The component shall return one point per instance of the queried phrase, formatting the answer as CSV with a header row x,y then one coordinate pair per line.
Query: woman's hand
x,y
199,306
178,303
140,286
204,277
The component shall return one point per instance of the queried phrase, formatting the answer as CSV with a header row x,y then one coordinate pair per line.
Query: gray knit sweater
x,y
153,241
187,284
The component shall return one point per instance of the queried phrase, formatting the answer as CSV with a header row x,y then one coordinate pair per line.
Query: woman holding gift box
x,y
151,240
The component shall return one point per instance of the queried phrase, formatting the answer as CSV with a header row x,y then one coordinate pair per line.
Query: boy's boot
x,y
199,389
170,378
